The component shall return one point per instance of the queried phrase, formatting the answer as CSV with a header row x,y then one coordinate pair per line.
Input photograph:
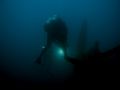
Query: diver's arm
x,y
44,50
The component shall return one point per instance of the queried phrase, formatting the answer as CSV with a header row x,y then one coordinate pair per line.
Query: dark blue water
x,y
22,34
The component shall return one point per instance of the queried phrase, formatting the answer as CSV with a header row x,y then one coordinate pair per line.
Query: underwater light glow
x,y
60,52
43,47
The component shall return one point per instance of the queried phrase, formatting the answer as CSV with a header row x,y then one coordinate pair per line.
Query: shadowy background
x,y
22,35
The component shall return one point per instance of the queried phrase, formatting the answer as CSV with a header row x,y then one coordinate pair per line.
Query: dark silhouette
x,y
56,33
81,42
91,56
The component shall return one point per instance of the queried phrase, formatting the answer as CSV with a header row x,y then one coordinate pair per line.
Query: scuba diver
x,y
56,33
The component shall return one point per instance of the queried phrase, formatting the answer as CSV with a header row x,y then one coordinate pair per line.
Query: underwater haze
x,y
22,34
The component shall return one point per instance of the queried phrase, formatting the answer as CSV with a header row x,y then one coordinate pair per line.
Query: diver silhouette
x,y
56,33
